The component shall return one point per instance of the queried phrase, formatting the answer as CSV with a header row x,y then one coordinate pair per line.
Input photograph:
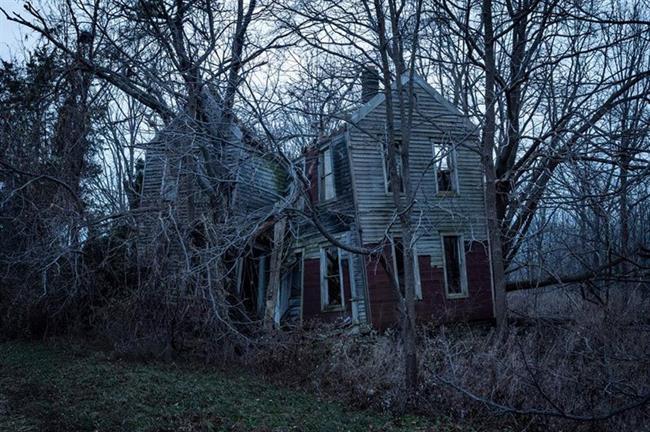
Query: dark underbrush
x,y
587,368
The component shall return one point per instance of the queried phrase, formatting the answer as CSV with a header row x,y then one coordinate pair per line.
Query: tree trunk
x,y
407,298
487,160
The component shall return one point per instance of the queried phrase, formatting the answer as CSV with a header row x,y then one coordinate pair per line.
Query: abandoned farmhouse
x,y
346,186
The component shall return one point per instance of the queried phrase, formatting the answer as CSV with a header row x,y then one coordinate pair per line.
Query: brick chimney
x,y
369,83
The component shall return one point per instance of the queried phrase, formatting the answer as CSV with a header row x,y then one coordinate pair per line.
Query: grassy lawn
x,y
54,388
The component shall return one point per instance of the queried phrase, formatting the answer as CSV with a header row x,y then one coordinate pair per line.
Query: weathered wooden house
x,y
351,193
349,190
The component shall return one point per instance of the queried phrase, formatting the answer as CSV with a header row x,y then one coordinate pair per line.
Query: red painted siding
x,y
383,301
434,306
311,293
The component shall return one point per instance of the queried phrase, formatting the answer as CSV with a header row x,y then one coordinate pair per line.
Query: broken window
x,y
453,253
326,175
398,161
445,167
399,264
331,278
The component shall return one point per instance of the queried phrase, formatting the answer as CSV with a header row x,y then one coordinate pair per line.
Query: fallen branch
x,y
577,278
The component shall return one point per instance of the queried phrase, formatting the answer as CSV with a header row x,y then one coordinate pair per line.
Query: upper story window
x,y
398,160
444,161
399,264
326,184
453,255
169,181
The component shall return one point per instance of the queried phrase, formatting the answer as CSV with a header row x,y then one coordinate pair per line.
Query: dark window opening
x,y
332,278
444,181
399,264
454,265
398,162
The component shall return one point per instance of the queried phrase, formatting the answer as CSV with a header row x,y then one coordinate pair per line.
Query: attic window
x,y
398,160
326,175
444,162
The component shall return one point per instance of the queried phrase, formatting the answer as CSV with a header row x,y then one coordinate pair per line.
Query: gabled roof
x,y
377,100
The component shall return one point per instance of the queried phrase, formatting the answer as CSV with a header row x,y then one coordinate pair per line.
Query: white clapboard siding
x,y
435,120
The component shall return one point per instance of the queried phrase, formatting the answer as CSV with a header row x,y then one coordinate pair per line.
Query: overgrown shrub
x,y
543,374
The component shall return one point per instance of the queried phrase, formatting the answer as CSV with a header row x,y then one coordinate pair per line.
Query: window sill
x,y
330,308
447,194
457,296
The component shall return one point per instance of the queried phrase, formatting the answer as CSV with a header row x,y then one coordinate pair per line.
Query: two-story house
x,y
350,189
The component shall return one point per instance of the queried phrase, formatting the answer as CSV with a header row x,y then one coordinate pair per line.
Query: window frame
x,y
324,282
416,267
386,168
464,291
452,159
169,181
323,177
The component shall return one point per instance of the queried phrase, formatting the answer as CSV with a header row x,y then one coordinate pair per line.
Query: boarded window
x,y
399,264
331,278
398,160
445,167
326,175
454,261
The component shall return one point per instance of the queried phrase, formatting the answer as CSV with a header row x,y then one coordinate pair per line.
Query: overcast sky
x,y
12,36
